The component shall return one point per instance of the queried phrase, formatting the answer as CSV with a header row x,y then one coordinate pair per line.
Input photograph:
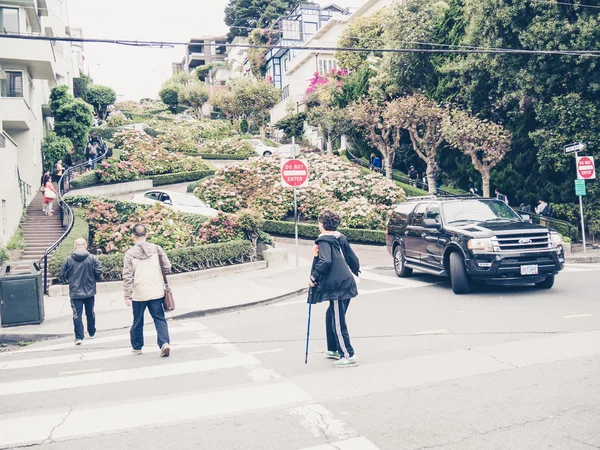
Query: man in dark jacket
x,y
413,176
82,270
332,279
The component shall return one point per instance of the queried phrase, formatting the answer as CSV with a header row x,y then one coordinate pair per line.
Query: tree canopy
x,y
242,16
101,97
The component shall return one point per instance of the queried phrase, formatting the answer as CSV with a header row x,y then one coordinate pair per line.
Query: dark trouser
x,y
160,322
77,304
337,330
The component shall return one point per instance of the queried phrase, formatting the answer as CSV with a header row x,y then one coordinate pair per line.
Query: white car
x,y
284,151
185,203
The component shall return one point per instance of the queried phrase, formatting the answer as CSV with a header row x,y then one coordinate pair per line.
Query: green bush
x,y
311,231
181,177
188,259
193,185
80,230
85,180
3,255
234,157
244,126
54,147
106,133
412,191
17,241
195,220
151,132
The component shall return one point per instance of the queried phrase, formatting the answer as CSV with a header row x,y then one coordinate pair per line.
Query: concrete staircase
x,y
40,231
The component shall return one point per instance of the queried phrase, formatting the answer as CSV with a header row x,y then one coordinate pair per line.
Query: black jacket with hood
x,y
332,269
82,270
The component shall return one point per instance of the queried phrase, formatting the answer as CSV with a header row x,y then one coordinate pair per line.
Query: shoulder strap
x,y
162,270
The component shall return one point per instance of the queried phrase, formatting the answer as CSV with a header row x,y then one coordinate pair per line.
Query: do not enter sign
x,y
294,173
586,169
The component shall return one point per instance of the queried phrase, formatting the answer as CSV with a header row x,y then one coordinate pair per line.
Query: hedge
x,y
214,156
311,231
412,191
80,230
181,177
193,185
85,180
187,259
106,133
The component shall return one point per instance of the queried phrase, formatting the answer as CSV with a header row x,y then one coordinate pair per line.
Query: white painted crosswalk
x,y
263,390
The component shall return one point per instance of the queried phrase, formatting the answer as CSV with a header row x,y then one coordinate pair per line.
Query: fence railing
x,y
66,213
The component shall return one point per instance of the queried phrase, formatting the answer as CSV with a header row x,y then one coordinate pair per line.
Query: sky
x,y
135,72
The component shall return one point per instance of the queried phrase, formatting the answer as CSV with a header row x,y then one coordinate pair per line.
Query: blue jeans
x,y
160,322
77,306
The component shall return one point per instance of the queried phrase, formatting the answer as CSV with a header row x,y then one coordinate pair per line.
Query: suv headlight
x,y
481,245
556,239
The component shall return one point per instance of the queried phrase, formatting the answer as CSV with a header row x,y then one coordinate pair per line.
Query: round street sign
x,y
294,173
585,168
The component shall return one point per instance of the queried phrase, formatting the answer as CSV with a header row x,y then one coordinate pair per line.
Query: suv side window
x,y
434,212
417,218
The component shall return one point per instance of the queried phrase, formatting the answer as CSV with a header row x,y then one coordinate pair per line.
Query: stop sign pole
x,y
582,174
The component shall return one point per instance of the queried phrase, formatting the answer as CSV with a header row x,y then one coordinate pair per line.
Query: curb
x,y
16,338
583,260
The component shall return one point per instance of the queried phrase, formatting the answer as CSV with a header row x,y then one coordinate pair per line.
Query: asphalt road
x,y
497,369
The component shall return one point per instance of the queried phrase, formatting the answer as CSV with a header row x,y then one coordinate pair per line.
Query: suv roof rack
x,y
446,197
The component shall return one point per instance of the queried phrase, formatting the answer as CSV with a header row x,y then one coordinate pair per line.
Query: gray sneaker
x,y
165,350
346,362
136,352
78,341
332,355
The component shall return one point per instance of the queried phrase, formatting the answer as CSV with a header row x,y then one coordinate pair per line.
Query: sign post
x,y
294,174
586,170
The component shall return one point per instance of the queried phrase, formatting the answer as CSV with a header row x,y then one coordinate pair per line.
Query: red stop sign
x,y
294,173
586,169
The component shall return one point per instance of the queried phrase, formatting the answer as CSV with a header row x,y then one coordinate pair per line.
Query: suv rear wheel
x,y
546,284
458,274
400,263
267,153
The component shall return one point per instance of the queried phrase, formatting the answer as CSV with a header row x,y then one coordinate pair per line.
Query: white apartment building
x,y
28,70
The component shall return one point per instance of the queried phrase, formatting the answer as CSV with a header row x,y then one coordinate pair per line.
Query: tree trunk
x,y
389,162
430,177
263,131
329,145
485,180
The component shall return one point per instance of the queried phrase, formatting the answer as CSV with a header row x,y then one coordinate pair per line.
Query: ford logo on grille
x,y
525,241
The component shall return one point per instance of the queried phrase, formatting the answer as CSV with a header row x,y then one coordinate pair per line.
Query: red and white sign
x,y
294,173
586,170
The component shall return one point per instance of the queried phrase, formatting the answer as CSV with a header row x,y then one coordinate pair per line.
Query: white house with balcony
x,y
28,71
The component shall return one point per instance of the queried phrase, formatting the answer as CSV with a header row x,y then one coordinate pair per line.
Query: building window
x,y
9,20
13,85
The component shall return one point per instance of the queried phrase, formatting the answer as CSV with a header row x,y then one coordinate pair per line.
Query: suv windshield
x,y
478,211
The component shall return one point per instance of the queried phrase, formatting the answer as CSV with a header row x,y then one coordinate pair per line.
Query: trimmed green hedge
x,y
193,185
311,231
411,191
209,156
106,133
181,177
85,180
80,230
187,259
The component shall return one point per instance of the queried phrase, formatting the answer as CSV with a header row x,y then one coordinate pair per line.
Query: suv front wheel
x,y
458,274
546,284
400,263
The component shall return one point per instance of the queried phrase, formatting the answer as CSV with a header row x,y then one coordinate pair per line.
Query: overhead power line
x,y
169,44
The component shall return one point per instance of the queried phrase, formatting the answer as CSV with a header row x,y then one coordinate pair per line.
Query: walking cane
x,y
307,334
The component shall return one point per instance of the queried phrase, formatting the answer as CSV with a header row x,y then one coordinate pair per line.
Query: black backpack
x,y
547,212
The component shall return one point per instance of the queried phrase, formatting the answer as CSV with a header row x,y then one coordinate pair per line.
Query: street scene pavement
x,y
500,368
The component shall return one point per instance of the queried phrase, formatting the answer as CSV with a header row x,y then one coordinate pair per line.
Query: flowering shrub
x,y
227,147
113,171
334,76
363,200
116,119
221,228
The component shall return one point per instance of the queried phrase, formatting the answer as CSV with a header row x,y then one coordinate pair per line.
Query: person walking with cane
x,y
332,279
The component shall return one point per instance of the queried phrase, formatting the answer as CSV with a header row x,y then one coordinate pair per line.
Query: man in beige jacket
x,y
144,287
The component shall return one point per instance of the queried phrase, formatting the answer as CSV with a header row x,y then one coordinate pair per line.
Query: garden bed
x,y
311,231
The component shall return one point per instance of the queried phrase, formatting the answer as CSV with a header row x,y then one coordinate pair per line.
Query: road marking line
x,y
183,328
377,291
262,374
576,316
359,443
319,421
78,372
262,352
206,339
153,412
406,283
124,375
431,332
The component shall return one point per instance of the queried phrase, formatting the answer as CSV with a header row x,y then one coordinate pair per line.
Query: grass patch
x,y
17,241
80,230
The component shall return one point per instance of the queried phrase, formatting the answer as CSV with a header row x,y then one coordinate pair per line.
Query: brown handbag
x,y
169,300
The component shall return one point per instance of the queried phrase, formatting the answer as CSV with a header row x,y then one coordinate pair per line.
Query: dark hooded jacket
x,y
82,270
331,269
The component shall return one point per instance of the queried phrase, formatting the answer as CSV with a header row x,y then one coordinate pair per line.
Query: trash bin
x,y
21,294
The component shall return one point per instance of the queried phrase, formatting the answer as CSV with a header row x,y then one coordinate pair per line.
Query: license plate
x,y
529,270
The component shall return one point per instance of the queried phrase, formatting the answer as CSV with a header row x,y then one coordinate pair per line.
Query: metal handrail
x,y
65,209
416,183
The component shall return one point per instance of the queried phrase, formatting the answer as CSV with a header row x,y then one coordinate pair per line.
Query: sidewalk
x,y
193,299
590,257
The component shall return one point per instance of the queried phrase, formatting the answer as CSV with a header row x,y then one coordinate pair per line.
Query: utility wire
x,y
169,44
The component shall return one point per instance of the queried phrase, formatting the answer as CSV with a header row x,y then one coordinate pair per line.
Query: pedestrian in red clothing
x,y
49,195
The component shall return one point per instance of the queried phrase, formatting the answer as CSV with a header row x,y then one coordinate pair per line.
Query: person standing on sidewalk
x,y
82,270
332,279
144,288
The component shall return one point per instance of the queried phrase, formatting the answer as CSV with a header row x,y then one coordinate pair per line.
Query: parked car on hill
x,y
469,239
186,203
284,151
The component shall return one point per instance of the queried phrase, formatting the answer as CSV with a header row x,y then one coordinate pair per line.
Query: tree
x,y
242,16
101,97
81,86
54,147
169,94
365,32
73,117
293,126
194,96
59,96
383,134
332,121
422,118
256,56
485,142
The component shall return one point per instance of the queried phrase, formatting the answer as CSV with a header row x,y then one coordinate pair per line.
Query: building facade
x,y
28,71
203,51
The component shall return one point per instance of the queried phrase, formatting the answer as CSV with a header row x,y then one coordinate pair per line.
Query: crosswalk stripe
x,y
154,412
134,374
403,282
183,328
358,443
209,338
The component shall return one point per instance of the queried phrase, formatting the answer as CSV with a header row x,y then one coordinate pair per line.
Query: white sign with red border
x,y
586,169
294,173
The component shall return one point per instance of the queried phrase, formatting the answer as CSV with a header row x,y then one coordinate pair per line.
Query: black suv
x,y
472,238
